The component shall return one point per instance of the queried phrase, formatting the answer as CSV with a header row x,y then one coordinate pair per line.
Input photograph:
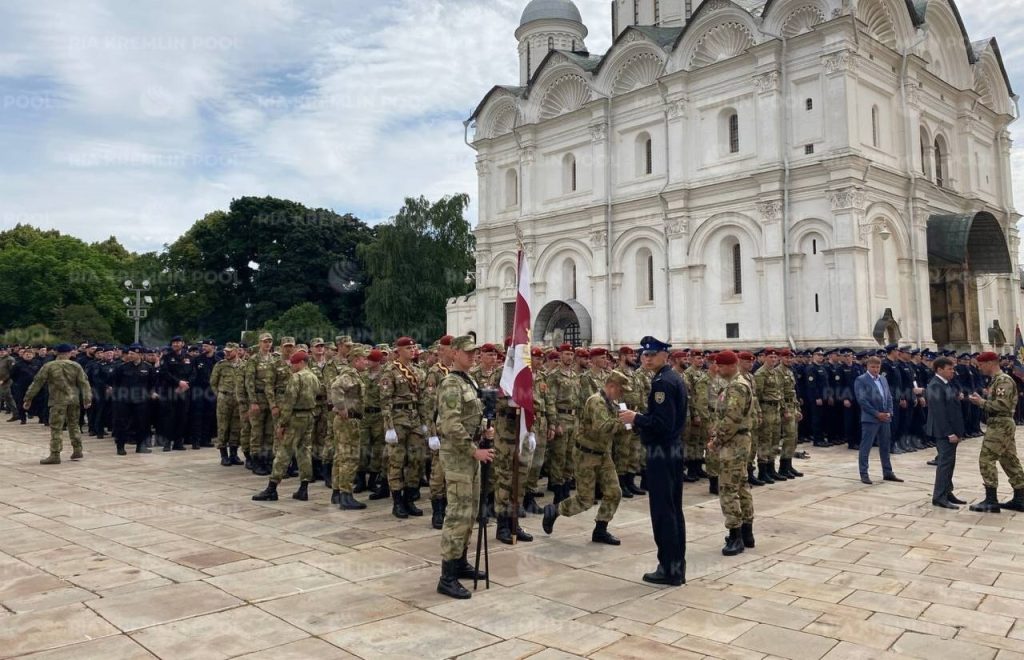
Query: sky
x,y
135,119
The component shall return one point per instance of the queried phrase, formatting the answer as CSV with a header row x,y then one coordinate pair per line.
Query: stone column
x,y
766,108
840,88
682,306
850,308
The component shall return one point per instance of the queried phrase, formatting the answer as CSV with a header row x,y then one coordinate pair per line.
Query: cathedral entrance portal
x,y
964,252
562,321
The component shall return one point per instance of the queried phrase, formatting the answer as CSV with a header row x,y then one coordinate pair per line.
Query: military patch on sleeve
x,y
659,397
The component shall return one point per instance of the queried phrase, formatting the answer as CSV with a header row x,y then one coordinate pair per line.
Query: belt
x,y
566,411
404,406
353,415
588,450
321,399
259,391
295,410
771,403
743,432
371,410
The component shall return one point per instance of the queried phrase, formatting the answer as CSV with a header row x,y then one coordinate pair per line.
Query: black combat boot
x,y
348,503
777,476
751,478
302,493
701,474
379,485
262,465
141,448
1017,502
521,534
233,456
449,584
503,530
317,468
196,444
120,448
268,494
248,460
224,460
411,495
398,506
790,471
360,484
643,484
179,445
602,535
326,473
167,445
712,485
550,516
733,543
626,492
530,503
689,475
631,484
335,496
988,505
762,473
437,507
747,533
466,571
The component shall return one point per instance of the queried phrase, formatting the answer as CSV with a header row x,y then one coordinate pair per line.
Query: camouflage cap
x,y
620,378
343,340
302,347
359,351
317,342
266,336
383,347
287,341
231,346
464,343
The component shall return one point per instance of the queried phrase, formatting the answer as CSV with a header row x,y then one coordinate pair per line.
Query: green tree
x,y
305,322
78,323
33,335
417,262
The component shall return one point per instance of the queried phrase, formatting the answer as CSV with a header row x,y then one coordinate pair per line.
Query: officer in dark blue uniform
x,y
661,432
815,393
891,372
851,411
176,378
203,404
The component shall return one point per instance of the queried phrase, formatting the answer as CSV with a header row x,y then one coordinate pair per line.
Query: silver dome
x,y
539,10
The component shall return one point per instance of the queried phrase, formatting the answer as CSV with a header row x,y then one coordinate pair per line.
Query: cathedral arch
x,y
640,68
566,93
550,262
946,46
792,18
886,21
713,36
735,223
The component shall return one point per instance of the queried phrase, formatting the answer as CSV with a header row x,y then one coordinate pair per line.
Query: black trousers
x,y
131,422
174,415
665,497
946,463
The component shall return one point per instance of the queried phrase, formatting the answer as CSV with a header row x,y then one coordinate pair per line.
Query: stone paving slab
x,y
165,555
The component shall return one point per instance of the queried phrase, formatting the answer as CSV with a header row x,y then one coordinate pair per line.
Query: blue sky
x,y
135,119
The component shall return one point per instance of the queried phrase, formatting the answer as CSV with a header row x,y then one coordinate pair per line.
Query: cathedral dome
x,y
540,10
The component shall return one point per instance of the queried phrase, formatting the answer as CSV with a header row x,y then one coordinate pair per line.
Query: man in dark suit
x,y
945,426
875,400
661,429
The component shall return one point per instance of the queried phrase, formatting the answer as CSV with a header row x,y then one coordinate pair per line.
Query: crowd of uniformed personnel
x,y
376,419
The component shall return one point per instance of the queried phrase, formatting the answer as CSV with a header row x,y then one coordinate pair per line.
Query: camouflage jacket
x,y
225,376
400,395
299,395
459,412
65,383
599,423
347,391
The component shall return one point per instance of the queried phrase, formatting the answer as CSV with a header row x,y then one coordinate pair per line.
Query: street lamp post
x,y
138,309
248,306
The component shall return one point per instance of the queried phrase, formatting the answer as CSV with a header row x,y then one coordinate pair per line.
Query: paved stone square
x,y
165,555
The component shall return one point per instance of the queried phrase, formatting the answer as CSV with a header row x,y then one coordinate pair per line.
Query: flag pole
x,y
519,411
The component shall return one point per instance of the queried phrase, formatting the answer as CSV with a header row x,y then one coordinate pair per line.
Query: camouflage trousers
x,y
296,442
770,433
540,429
405,459
788,436
999,447
624,453
322,443
8,398
262,426
437,486
371,444
244,428
592,471
462,476
695,442
228,421
345,452
61,416
504,456
733,489
559,451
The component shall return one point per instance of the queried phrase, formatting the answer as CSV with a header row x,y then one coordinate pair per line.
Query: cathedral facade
x,y
749,173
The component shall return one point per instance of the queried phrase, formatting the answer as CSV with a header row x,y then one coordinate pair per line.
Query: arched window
x,y
732,268
644,276
926,153
809,104
569,279
511,187
941,154
737,270
551,43
734,133
644,154
876,128
569,180
879,265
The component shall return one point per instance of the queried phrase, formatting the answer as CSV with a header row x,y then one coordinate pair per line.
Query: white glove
x,y
531,443
423,429
434,443
390,437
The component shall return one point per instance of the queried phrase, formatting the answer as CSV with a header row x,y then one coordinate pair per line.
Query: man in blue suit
x,y
875,401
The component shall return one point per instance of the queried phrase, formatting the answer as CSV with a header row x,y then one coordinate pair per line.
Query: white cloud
x,y
135,119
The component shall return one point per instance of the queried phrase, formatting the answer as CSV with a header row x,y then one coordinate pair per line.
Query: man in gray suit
x,y
875,401
945,425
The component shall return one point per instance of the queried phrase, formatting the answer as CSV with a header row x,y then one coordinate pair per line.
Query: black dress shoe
x,y
866,480
945,504
934,461
953,499
892,477
659,576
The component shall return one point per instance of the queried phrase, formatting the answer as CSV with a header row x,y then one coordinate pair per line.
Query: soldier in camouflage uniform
x,y
224,382
624,451
346,396
294,431
565,388
544,422
7,362
372,459
791,415
746,363
322,438
769,385
67,385
600,429
459,421
261,391
404,430
999,445
437,373
696,430
731,418
242,399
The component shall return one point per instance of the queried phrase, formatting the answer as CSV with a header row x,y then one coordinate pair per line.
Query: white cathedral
x,y
749,173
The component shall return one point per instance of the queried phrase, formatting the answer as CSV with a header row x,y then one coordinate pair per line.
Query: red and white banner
x,y
517,377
